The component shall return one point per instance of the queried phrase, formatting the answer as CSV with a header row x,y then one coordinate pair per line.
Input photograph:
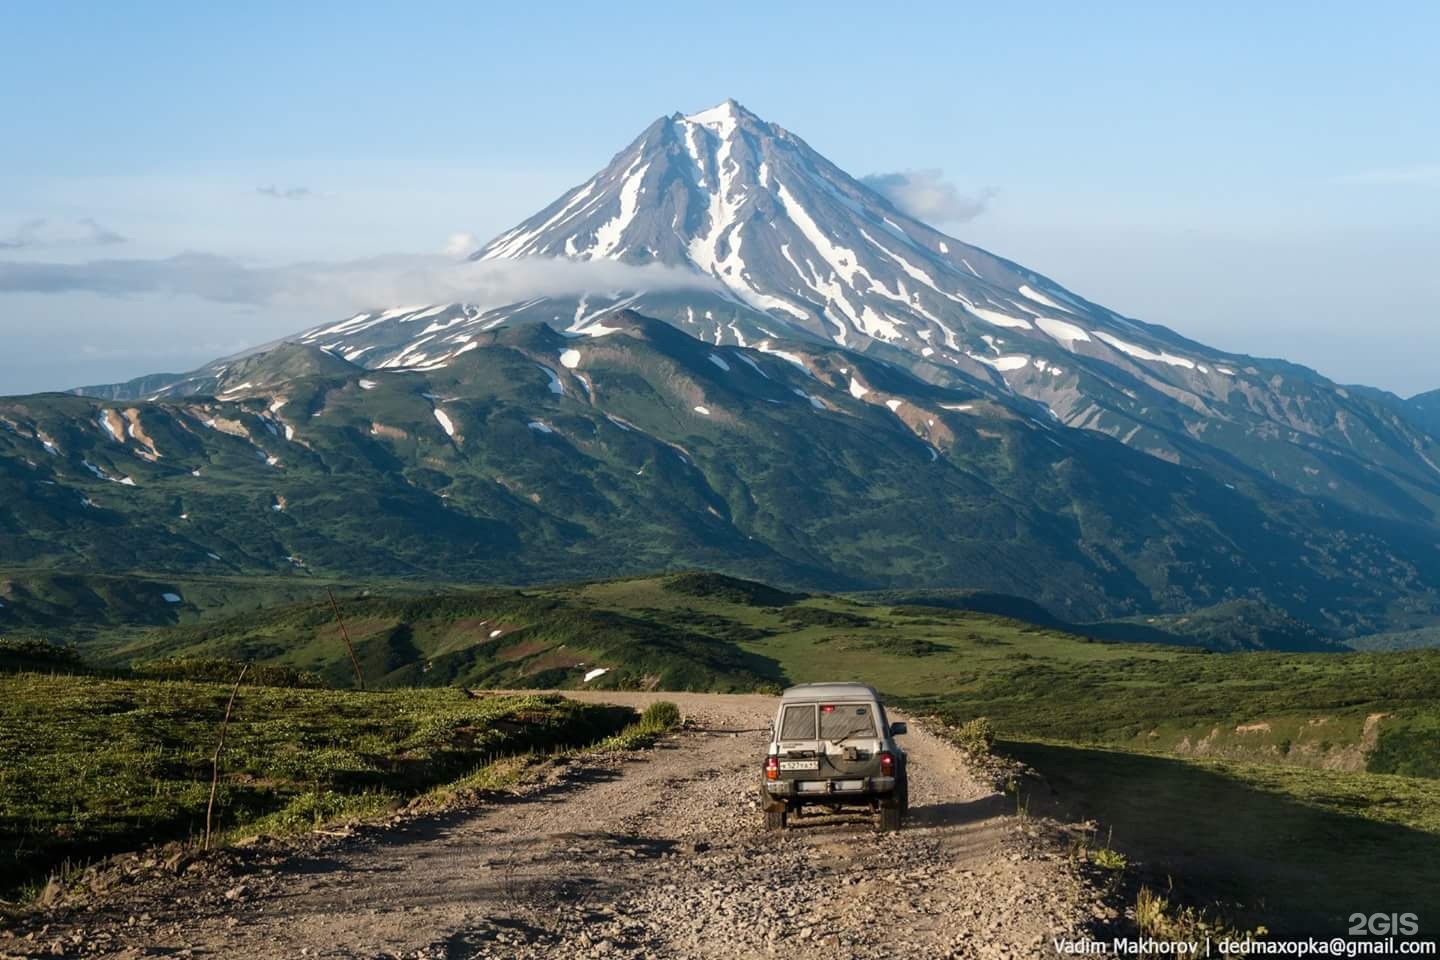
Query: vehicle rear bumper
x,y
829,790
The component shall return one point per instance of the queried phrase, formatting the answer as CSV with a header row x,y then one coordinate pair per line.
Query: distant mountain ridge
x,y
1425,409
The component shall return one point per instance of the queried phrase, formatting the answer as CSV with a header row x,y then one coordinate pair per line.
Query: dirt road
x,y
661,854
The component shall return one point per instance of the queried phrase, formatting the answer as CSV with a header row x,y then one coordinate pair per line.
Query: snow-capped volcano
x,y
791,235
796,249
783,245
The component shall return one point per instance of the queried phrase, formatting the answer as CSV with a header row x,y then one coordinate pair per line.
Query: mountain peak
x,y
794,239
724,114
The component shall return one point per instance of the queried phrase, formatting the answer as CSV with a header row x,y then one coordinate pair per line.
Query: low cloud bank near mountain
x,y
346,285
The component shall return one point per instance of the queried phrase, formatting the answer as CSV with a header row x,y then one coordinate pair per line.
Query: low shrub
x,y
1160,919
975,736
1108,859
657,720
661,715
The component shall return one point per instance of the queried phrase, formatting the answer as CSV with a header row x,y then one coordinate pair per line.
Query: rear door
x,y
798,742
851,735
828,741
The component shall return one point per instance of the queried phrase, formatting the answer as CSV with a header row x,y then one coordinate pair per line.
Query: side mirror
x,y
897,728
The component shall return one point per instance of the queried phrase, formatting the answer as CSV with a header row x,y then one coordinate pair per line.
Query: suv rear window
x,y
845,720
799,723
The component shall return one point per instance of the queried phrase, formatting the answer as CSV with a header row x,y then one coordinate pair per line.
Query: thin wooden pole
x,y
215,762
359,677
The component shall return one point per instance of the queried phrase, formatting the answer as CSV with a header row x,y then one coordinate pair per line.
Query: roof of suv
x,y
830,691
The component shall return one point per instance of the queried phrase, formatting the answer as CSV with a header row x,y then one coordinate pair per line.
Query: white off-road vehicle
x,y
832,745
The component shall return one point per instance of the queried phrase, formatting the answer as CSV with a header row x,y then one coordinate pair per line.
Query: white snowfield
x,y
1066,333
1003,363
446,424
1143,354
1026,291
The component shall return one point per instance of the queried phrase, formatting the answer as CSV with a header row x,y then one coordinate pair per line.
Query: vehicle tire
x,y
775,818
904,791
890,817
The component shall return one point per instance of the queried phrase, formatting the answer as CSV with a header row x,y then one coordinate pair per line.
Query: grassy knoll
x,y
90,765
492,638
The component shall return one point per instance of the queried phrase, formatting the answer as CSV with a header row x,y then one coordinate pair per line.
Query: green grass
x,y
1290,848
91,765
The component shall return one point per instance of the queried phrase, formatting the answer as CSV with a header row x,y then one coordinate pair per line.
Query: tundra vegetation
x,y
1221,777
96,764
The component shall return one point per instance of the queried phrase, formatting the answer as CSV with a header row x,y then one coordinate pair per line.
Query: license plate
x,y
848,785
799,764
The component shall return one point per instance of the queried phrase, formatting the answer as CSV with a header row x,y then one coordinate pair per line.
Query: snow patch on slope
x,y
556,387
1038,297
1066,333
1140,353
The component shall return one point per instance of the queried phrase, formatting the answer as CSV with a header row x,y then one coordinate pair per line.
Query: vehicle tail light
x,y
887,764
772,768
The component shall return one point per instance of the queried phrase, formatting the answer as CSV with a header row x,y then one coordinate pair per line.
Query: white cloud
x,y
43,232
283,193
926,195
461,245
347,285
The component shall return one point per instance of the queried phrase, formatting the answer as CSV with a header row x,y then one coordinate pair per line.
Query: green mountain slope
x,y
534,457
494,638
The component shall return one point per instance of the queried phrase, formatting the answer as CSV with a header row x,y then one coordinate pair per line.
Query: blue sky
x,y
1265,180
